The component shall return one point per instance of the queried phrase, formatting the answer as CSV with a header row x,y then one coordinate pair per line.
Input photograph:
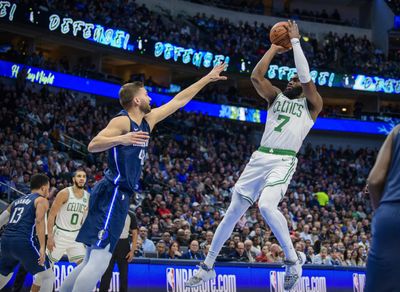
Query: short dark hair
x,y
76,172
127,92
38,180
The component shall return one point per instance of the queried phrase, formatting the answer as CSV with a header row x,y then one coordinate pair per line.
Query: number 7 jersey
x,y
70,216
288,123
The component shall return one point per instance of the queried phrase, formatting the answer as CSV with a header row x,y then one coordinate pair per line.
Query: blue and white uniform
x,y
109,200
383,271
19,243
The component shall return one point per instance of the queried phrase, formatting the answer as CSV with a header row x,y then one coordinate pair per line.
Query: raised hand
x,y
280,49
293,30
214,74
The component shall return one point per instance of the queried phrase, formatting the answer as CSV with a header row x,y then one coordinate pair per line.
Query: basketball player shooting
x,y
291,114
126,138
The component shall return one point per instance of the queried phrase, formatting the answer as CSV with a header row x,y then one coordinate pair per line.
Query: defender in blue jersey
x,y
126,138
23,240
383,273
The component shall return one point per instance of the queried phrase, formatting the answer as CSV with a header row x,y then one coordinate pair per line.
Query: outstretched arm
x,y
303,71
116,133
263,86
378,174
182,98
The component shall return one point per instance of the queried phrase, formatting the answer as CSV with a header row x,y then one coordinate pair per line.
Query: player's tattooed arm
x,y
61,199
262,85
116,133
183,97
377,176
42,205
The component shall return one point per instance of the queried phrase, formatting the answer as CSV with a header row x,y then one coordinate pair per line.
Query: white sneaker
x,y
293,271
202,275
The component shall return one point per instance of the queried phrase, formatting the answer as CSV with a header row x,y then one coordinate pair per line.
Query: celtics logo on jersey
x,y
291,107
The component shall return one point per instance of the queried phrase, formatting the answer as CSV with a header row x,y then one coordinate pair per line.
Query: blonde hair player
x,y
291,114
126,139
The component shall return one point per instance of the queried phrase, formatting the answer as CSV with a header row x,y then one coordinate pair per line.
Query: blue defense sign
x,y
154,275
91,86
119,39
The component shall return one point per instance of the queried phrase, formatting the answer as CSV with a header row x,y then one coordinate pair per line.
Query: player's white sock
x,y
4,280
68,283
93,270
268,204
236,210
46,280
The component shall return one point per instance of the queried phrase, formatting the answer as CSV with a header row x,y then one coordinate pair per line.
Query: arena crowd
x,y
193,163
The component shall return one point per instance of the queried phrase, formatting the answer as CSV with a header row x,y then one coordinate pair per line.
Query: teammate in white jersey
x,y
291,114
67,212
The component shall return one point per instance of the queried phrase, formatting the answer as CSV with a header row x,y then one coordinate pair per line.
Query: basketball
x,y
279,35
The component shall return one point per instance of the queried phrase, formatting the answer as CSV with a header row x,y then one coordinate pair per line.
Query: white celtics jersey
x,y
71,213
288,123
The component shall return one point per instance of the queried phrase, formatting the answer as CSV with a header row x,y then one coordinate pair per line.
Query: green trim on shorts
x,y
283,181
53,260
71,259
247,199
58,227
277,151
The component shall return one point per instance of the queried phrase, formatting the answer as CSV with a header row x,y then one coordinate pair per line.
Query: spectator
x,y
275,254
263,257
163,211
161,250
147,245
306,235
193,253
209,237
323,198
310,255
166,237
250,250
323,258
155,232
174,251
239,254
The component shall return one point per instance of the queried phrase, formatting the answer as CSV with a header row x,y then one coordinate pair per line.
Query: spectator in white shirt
x,y
322,258
147,244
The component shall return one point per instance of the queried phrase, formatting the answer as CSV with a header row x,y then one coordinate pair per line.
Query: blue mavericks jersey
x,y
22,218
125,162
391,192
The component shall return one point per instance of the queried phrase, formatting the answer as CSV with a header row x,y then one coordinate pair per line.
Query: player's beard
x,y
79,186
294,92
145,108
